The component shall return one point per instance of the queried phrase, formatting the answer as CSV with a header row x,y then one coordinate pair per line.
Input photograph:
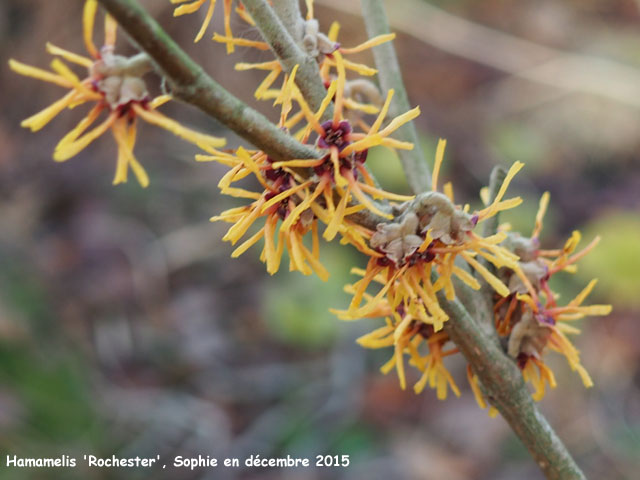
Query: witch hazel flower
x,y
340,173
284,205
410,336
336,185
416,253
530,318
115,86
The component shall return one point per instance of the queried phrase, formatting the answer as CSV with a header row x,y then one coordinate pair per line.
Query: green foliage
x,y
516,141
296,307
387,169
385,165
616,260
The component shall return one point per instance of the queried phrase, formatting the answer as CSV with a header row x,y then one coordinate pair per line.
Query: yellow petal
x,y
247,244
110,30
399,121
336,219
372,42
542,209
241,42
156,118
383,113
40,119
442,144
70,149
491,279
38,73
206,21
69,56
88,20
125,143
188,8
79,129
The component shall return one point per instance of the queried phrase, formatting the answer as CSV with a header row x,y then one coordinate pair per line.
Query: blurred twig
x,y
390,77
527,60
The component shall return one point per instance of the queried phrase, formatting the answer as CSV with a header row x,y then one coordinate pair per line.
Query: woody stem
x,y
502,383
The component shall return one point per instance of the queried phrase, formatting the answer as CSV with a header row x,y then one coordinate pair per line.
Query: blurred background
x,y
126,329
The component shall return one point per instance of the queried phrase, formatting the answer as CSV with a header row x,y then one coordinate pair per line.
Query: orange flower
x,y
530,317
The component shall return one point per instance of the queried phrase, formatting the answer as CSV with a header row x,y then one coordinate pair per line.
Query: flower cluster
x,y
298,193
414,257
115,86
529,318
425,238
527,315
359,95
422,250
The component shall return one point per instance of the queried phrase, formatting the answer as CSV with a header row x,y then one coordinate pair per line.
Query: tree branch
x,y
499,376
502,382
390,77
289,13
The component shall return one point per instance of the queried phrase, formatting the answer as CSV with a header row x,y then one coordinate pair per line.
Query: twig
x,y
289,13
553,68
502,382
390,77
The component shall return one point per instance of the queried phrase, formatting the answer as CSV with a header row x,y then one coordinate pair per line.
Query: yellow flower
x,y
427,236
409,335
359,96
114,84
341,169
286,197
